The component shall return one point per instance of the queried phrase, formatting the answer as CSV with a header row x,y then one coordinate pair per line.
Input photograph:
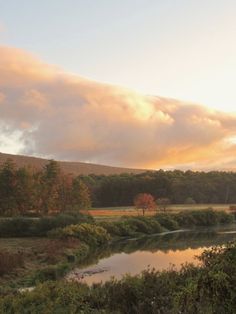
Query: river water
x,y
161,252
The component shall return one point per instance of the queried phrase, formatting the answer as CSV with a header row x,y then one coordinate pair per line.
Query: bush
x,y
90,234
167,221
79,254
52,272
16,227
130,226
225,218
155,226
122,228
206,289
206,217
152,225
28,227
111,227
62,220
139,225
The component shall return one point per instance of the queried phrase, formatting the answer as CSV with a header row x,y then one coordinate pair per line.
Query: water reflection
x,y
160,252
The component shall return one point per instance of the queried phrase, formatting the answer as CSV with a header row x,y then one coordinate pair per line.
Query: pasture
x,y
117,212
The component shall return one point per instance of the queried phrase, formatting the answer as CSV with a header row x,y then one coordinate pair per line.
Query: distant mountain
x,y
75,168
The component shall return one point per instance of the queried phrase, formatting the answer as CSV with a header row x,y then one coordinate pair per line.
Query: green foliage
x,y
131,226
207,217
52,272
167,221
8,188
208,289
46,224
120,228
76,253
28,227
178,186
152,225
140,225
91,234
17,227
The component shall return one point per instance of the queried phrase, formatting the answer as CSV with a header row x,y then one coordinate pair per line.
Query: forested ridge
x,y
24,189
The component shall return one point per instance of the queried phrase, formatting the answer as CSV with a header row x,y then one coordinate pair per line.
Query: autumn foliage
x,y
24,190
144,201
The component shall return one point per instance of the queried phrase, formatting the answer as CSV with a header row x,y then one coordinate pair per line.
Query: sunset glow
x,y
143,50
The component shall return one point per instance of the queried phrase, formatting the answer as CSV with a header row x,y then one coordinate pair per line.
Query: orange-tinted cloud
x,y
68,117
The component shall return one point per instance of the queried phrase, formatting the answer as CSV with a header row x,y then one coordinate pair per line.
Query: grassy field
x,y
117,212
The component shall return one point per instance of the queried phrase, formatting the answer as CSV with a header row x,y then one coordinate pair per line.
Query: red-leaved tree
x,y
144,201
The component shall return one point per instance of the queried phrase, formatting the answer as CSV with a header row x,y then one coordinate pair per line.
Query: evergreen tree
x,y
8,204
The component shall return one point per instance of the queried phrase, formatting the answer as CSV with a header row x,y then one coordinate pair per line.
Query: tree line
x,y
49,190
177,186
24,189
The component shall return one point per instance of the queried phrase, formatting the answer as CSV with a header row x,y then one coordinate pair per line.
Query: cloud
x,y
71,118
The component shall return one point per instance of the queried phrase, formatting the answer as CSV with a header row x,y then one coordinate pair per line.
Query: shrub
x,y
119,228
206,217
79,254
90,234
167,221
62,220
152,225
206,289
130,226
52,272
139,225
224,217
122,228
111,227
155,226
28,227
16,227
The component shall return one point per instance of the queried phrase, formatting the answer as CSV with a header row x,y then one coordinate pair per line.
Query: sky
x,y
100,78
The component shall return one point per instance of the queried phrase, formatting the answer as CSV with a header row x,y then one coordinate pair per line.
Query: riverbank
x,y
209,288
69,246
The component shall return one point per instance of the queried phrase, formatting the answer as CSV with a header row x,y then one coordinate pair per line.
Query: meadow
x,y
117,212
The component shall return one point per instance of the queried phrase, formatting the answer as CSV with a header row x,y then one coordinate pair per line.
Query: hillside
x,y
76,168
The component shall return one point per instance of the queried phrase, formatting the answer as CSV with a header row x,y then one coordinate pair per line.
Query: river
x,y
164,251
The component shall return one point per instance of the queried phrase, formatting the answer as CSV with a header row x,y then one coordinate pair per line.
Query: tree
x,y
25,190
80,195
65,193
144,201
7,188
163,203
49,187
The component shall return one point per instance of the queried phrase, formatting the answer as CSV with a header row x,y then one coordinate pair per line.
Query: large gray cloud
x,y
71,118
